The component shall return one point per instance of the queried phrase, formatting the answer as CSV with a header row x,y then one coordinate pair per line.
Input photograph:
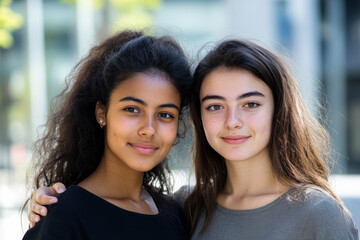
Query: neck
x,y
113,180
251,177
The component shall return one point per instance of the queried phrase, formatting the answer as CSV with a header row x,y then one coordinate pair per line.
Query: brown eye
x,y
251,105
165,115
131,109
214,107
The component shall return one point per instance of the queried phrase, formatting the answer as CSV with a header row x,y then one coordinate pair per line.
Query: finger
x,y
59,187
44,196
38,209
33,218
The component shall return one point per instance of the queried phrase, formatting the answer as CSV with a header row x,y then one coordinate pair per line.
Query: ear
x,y
100,113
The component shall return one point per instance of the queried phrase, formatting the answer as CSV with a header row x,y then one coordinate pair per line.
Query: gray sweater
x,y
307,213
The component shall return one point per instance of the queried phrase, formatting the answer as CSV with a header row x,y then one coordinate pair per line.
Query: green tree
x,y
9,21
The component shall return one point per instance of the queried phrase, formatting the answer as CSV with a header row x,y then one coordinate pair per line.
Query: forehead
x,y
150,87
228,82
146,79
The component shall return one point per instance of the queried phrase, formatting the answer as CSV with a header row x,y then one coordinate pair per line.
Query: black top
x,y
80,214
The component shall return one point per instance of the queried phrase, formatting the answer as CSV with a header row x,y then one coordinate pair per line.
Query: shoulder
x,y
170,212
313,195
73,198
67,201
317,203
320,202
61,219
165,203
324,215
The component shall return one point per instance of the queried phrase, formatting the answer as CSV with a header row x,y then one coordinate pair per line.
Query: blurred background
x,y
41,40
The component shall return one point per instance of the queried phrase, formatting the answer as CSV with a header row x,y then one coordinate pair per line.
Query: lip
x,y
235,139
143,148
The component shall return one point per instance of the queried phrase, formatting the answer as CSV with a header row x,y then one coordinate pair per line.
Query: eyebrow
x,y
168,105
245,95
134,99
250,94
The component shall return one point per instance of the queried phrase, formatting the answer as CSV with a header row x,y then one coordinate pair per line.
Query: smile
x,y
143,148
234,140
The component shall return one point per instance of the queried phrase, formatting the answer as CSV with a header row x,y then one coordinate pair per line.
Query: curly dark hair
x,y
73,143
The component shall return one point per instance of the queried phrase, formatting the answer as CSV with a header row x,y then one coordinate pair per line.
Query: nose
x,y
233,119
147,128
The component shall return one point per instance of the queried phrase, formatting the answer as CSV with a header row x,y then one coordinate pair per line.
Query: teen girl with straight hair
x,y
107,140
260,157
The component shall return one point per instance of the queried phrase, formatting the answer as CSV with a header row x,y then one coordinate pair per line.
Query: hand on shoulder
x,y
40,198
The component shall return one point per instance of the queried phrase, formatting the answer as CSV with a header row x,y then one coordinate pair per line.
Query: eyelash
x,y
169,116
251,103
133,108
164,115
246,105
212,107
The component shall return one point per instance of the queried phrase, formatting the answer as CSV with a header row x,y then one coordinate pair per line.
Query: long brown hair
x,y
73,143
299,144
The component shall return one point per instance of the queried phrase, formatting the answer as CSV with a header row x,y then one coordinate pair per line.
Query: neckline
x,y
97,198
255,210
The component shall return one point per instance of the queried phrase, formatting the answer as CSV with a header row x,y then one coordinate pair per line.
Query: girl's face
x,y
141,121
237,110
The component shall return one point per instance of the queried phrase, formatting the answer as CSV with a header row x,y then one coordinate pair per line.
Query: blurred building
x,y
322,39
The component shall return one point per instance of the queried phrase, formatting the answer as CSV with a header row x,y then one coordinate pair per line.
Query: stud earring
x,y
101,121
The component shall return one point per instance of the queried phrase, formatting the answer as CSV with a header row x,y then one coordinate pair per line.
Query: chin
x,y
145,167
236,157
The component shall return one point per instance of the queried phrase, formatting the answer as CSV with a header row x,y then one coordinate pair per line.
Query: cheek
x,y
114,134
116,130
168,133
261,124
211,126
268,119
